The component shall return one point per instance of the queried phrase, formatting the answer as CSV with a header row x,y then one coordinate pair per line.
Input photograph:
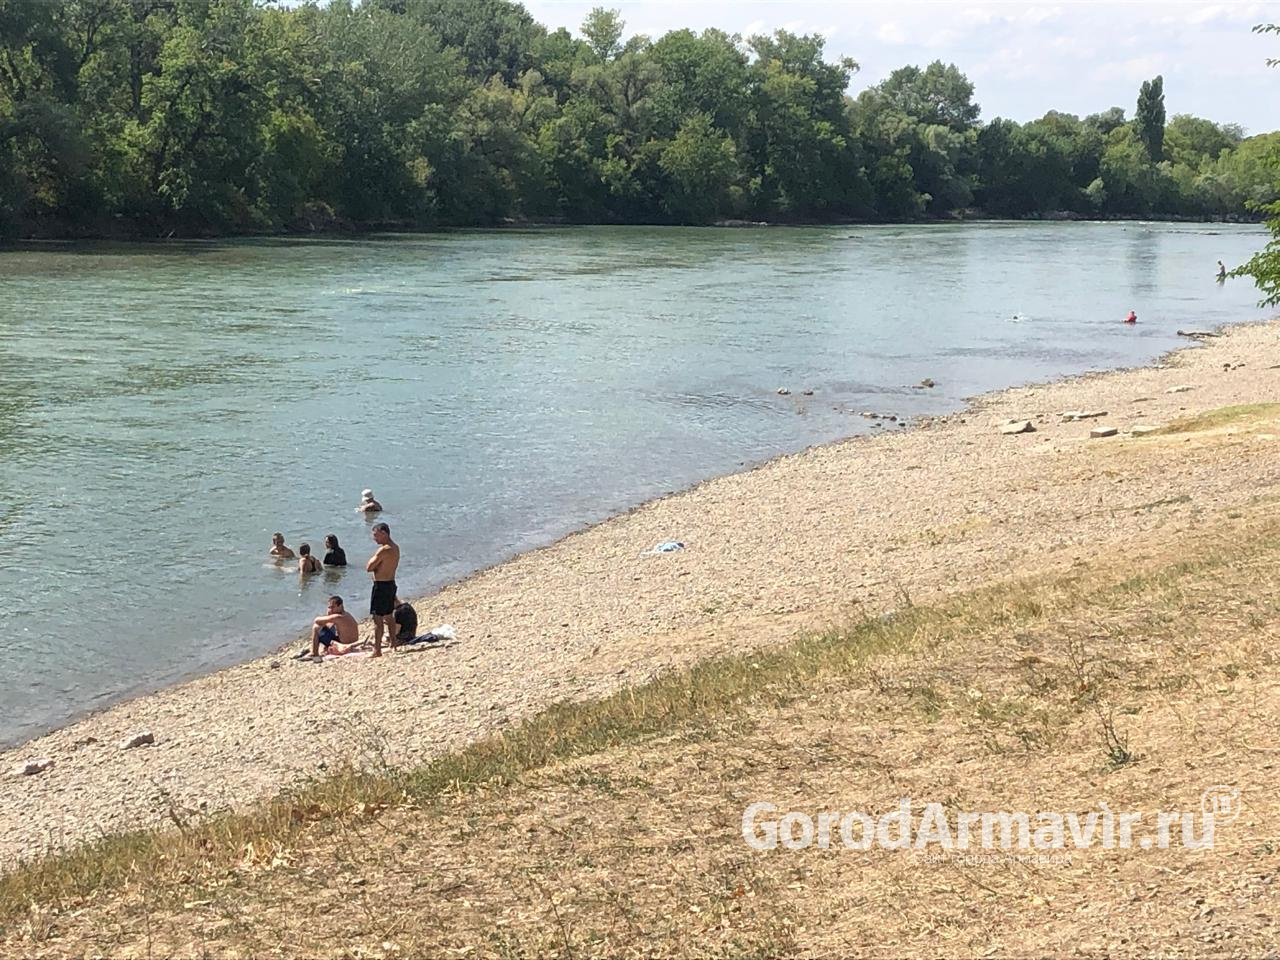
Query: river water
x,y
164,408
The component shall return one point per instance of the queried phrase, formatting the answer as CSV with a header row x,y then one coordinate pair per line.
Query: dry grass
x,y
1241,416
613,828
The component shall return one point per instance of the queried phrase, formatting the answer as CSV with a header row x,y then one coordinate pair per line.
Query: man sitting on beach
x,y
382,601
367,503
336,631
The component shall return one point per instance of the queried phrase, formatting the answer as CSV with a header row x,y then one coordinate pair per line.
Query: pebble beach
x,y
802,542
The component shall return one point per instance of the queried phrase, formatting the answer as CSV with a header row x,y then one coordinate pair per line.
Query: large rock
x,y
142,739
1099,432
1017,426
1181,389
1198,334
1144,431
1082,415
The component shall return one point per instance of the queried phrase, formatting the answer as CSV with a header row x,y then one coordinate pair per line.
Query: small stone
x,y
1082,415
1018,426
31,767
1198,334
784,392
1181,389
138,740
1099,432
1144,431
807,393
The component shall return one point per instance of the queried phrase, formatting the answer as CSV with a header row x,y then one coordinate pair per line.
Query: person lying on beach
x,y
278,550
406,621
367,503
335,555
336,631
382,601
306,562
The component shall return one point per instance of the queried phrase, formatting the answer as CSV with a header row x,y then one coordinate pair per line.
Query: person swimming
x,y
1222,271
306,562
367,503
278,549
1131,318
336,556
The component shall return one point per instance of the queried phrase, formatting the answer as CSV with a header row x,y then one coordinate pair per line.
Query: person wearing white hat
x,y
367,503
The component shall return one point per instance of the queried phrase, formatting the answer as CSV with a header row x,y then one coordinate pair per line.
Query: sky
x,y
1024,59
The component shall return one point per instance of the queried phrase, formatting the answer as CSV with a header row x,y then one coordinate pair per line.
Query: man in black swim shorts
x,y
382,600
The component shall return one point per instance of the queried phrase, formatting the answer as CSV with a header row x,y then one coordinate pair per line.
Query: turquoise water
x,y
165,408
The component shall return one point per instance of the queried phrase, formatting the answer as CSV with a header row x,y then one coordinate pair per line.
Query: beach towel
x,y
442,632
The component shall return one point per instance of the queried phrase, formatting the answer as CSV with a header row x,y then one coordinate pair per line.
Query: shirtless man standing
x,y
337,631
382,602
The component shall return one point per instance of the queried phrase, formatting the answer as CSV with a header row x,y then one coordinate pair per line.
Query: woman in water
x,y
335,555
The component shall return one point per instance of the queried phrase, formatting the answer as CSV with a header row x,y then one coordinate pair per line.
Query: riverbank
x,y
337,229
801,542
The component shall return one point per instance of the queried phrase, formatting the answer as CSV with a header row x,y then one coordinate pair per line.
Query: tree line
x,y
217,116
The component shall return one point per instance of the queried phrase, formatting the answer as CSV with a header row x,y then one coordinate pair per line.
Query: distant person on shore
x,y
1131,318
367,503
278,550
406,621
336,631
382,600
1222,271
334,556
306,562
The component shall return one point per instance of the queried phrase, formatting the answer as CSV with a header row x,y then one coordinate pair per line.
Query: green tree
x,y
1107,120
1149,118
939,95
603,32
492,37
919,125
701,163
1195,141
703,73
803,160
1129,178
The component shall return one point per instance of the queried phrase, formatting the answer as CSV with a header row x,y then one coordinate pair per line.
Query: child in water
x,y
1131,318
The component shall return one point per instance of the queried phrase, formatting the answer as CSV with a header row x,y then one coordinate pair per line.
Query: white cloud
x,y
891,33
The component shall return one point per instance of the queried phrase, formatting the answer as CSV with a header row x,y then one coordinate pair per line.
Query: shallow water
x,y
164,408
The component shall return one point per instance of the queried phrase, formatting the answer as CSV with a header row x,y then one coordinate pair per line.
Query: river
x,y
165,407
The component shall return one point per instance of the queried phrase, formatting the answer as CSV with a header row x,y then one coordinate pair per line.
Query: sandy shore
x,y
802,541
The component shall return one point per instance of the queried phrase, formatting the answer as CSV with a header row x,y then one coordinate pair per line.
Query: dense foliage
x,y
204,116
